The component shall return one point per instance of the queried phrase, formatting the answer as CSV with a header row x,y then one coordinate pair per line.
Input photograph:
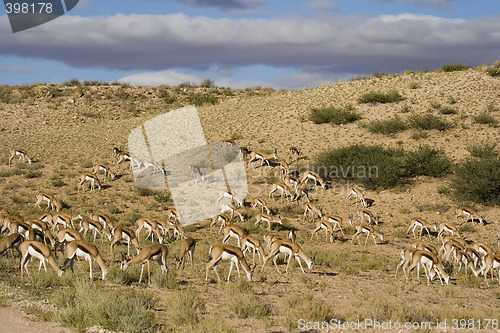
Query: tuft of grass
x,y
448,110
187,307
429,122
494,70
334,115
388,126
454,67
380,97
486,119
483,150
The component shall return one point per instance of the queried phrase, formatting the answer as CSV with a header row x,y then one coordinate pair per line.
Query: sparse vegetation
x,y
387,126
429,121
334,115
486,119
426,161
454,67
380,97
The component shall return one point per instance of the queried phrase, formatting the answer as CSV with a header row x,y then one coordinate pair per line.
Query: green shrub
x,y
494,70
388,126
454,67
380,97
486,119
428,122
373,166
187,307
426,161
202,98
478,181
334,115
482,150
448,110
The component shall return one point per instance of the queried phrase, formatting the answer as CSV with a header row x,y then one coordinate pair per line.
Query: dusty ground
x,y
69,133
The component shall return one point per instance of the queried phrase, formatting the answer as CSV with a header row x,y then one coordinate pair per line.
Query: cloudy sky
x,y
284,44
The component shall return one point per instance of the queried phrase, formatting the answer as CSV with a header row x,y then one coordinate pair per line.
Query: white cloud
x,y
324,5
334,46
168,77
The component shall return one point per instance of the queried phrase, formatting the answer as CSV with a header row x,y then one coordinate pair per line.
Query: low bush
x,y
478,181
429,122
483,150
334,115
380,97
454,67
486,119
426,161
448,110
388,126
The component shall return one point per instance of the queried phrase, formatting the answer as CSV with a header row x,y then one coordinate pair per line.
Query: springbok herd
x,y
42,237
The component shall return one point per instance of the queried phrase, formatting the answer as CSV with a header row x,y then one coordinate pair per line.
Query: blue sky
x,y
246,43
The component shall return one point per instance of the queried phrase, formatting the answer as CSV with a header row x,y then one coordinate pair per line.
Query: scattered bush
x,y
454,67
448,110
428,122
477,180
426,161
483,150
380,97
187,307
334,115
486,119
494,70
388,126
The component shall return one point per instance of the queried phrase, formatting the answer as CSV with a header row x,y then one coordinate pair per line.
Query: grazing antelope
x,y
367,215
294,154
31,248
150,225
263,157
406,255
86,250
223,218
96,227
369,231
105,169
42,227
155,252
21,154
430,262
52,202
491,262
326,226
90,178
12,242
336,221
313,210
65,220
311,175
259,201
283,190
468,213
448,227
64,236
123,156
267,218
126,234
187,247
302,193
284,169
357,191
104,219
234,254
288,248
253,244
233,231
291,181
417,222
233,199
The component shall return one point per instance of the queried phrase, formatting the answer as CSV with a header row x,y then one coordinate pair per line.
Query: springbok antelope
x,y
491,262
155,252
263,157
311,175
187,248
418,222
369,231
234,254
253,244
150,225
105,169
31,248
12,242
126,234
104,219
294,154
267,218
313,210
84,177
21,154
448,227
259,201
468,213
86,250
291,249
357,191
96,227
430,262
233,231
283,189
